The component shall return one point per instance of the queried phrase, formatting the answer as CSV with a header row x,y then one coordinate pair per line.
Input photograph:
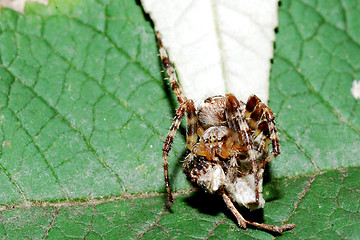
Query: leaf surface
x,y
84,110
212,57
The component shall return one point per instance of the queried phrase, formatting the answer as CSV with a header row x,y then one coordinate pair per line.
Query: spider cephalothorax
x,y
229,146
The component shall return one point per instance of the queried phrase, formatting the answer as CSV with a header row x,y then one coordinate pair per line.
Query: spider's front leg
x,y
191,136
237,122
262,120
170,71
192,125
179,112
168,142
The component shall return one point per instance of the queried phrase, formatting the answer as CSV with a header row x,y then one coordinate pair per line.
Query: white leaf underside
x,y
218,46
19,5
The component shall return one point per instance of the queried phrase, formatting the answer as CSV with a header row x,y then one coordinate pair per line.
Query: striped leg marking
x,y
272,134
192,122
261,119
170,71
167,145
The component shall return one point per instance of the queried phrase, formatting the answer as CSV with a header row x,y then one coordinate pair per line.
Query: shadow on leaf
x,y
213,205
206,203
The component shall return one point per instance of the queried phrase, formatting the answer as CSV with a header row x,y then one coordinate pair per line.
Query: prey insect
x,y
229,144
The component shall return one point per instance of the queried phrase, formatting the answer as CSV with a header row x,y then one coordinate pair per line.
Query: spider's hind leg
x,y
243,222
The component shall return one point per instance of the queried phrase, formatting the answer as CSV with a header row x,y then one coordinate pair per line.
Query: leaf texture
x,y
84,110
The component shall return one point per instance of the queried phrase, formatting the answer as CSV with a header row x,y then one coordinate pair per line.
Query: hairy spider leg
x,y
239,126
179,112
273,136
168,142
262,113
251,104
264,141
170,71
242,221
259,125
192,125
191,136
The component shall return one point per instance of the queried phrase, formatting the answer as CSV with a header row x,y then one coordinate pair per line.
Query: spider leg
x,y
251,104
179,113
242,221
168,142
192,125
263,146
237,123
262,112
170,71
271,134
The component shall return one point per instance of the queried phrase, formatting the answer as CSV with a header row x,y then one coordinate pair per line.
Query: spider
x,y
229,145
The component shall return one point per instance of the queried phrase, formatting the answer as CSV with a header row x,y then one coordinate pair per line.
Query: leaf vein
x,y
322,100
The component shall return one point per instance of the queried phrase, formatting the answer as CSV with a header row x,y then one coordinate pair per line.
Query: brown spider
x,y
229,145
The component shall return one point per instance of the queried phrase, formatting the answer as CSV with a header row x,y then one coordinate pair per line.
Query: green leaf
x,y
316,61
84,110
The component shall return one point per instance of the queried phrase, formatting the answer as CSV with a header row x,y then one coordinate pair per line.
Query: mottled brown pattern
x,y
211,112
168,142
171,72
251,103
192,120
